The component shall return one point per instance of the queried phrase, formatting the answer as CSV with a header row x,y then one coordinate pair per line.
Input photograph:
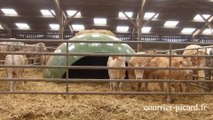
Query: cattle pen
x,y
51,92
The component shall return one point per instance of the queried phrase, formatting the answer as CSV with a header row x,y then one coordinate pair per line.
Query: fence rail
x,y
67,67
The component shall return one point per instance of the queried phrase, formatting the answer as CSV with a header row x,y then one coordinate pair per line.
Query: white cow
x,y
115,61
10,46
16,60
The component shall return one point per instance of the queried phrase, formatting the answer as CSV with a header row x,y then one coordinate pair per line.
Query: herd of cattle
x,y
23,58
119,61
189,59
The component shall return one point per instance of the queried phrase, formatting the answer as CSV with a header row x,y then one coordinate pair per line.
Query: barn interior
x,y
143,24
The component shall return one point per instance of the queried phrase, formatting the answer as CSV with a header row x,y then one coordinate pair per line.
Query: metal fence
x,y
67,80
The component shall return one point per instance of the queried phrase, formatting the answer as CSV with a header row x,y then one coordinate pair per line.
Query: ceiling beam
x,y
7,28
207,22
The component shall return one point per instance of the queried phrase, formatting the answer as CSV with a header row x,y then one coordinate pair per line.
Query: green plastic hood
x,y
82,48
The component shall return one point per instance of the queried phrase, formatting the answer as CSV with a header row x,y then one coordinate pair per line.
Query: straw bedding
x,y
88,107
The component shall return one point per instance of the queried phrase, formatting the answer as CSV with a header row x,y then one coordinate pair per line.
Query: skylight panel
x,y
54,26
47,13
122,16
23,26
199,18
187,30
149,15
100,21
145,29
207,31
122,29
9,11
70,13
170,24
1,27
78,27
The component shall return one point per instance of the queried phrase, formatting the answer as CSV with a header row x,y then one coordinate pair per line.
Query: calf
x,y
164,62
10,46
37,47
195,50
115,61
138,73
14,72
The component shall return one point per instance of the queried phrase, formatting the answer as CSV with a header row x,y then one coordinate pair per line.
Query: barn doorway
x,y
89,73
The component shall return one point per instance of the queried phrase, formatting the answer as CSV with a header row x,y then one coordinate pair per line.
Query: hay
x,y
88,107
103,31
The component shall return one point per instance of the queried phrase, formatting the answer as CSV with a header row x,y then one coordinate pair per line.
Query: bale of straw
x,y
103,31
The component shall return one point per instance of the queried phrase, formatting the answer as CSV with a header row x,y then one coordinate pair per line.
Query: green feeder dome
x,y
83,47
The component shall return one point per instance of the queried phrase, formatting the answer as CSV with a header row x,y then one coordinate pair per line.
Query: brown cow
x,y
176,62
139,61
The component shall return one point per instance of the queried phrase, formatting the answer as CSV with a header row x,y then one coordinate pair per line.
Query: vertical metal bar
x,y
170,71
67,69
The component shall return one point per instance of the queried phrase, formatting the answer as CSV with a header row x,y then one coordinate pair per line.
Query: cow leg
x,y
114,86
120,86
168,97
10,76
161,84
110,86
139,87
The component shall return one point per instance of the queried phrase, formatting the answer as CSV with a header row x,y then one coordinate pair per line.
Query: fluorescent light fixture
x,y
149,15
187,30
23,26
122,16
78,27
54,26
100,21
47,13
171,24
1,27
145,29
199,18
207,31
70,13
122,29
9,11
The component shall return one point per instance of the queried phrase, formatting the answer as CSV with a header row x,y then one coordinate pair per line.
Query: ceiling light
x,y
78,27
8,11
122,16
70,13
145,29
100,21
171,24
54,26
47,13
1,27
122,29
207,31
199,18
149,15
22,26
187,30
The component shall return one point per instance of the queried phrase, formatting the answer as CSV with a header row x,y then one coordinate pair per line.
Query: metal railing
x,y
66,81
